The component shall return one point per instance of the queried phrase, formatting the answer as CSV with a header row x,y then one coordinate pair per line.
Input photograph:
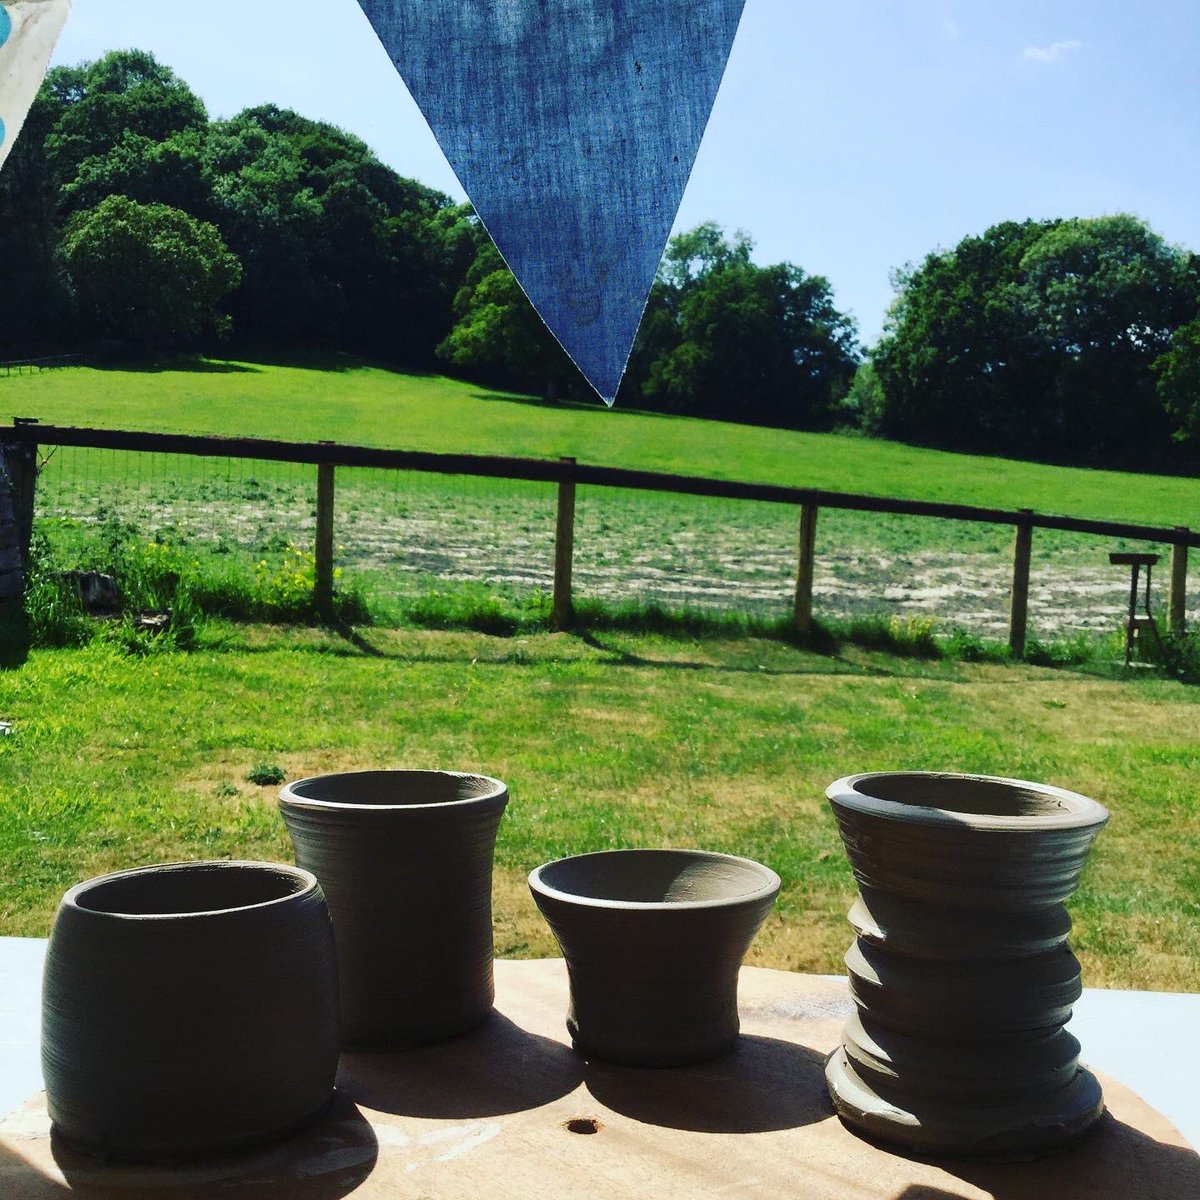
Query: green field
x,y
606,740
402,535
366,405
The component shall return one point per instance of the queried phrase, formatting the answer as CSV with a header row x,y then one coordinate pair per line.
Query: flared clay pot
x,y
960,971
653,941
189,1009
405,861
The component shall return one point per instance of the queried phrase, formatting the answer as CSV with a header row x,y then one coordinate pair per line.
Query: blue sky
x,y
849,137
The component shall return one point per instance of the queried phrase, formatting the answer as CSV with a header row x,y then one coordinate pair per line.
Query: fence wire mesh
x,y
401,535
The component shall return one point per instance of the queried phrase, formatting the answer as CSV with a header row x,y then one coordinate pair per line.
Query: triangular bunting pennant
x,y
28,31
572,126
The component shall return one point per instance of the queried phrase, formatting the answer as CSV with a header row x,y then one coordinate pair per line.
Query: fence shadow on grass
x,y
352,643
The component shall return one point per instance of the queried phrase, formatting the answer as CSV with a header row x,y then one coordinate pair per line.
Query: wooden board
x,y
487,1116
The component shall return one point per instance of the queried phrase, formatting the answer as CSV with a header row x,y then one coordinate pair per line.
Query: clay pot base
x,y
511,1113
172,1158
1018,1132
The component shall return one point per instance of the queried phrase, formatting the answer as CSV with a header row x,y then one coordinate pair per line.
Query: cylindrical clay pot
x,y
961,972
653,941
188,1009
405,860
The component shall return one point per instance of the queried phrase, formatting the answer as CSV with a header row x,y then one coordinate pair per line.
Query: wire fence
x,y
401,533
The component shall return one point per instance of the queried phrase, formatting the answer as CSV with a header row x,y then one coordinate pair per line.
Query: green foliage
x,y
266,775
338,249
54,613
1036,340
727,339
1178,373
127,93
147,274
499,336
760,345
721,337
163,578
335,248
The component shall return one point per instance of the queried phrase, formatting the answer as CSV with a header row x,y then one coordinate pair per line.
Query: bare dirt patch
x,y
403,537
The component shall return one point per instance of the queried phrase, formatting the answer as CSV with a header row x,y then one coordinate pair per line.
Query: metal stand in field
x,y
1135,623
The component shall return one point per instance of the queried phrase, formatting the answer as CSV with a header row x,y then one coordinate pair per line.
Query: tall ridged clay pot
x,y
960,972
653,941
188,1009
405,860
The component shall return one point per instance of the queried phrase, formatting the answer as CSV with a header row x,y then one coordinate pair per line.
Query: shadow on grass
x,y
192,366
353,644
595,405
252,359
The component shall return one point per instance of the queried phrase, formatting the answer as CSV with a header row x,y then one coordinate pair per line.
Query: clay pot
x,y
961,972
405,860
653,941
188,1009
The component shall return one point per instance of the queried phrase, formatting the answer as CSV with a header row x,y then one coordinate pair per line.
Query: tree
x,y
1178,373
171,172
500,337
338,249
125,92
762,345
1036,339
720,337
147,274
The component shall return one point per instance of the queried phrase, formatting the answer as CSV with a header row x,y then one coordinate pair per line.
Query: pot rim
x,y
768,888
289,797
72,896
1076,812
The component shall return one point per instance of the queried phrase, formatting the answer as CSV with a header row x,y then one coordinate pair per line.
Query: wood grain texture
x,y
485,1116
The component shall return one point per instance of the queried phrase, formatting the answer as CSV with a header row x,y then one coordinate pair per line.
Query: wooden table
x,y
511,1112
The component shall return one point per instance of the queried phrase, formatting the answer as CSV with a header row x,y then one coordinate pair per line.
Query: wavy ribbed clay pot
x,y
653,941
405,860
188,1009
961,972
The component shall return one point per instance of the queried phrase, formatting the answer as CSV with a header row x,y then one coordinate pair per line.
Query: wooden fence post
x,y
803,611
1018,618
564,552
323,567
18,487
1177,597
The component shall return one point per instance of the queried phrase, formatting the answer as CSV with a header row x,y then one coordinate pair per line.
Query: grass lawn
x,y
606,740
359,404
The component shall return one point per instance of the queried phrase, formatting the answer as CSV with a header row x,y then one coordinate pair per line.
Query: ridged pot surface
x,y
960,970
653,941
189,1008
405,861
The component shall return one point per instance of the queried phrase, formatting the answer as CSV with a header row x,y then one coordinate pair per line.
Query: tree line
x,y
132,224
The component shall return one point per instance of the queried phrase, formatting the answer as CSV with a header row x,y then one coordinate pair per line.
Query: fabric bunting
x,y
572,126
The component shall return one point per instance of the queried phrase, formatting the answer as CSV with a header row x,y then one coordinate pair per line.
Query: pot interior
x,y
965,794
193,888
655,877
385,789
